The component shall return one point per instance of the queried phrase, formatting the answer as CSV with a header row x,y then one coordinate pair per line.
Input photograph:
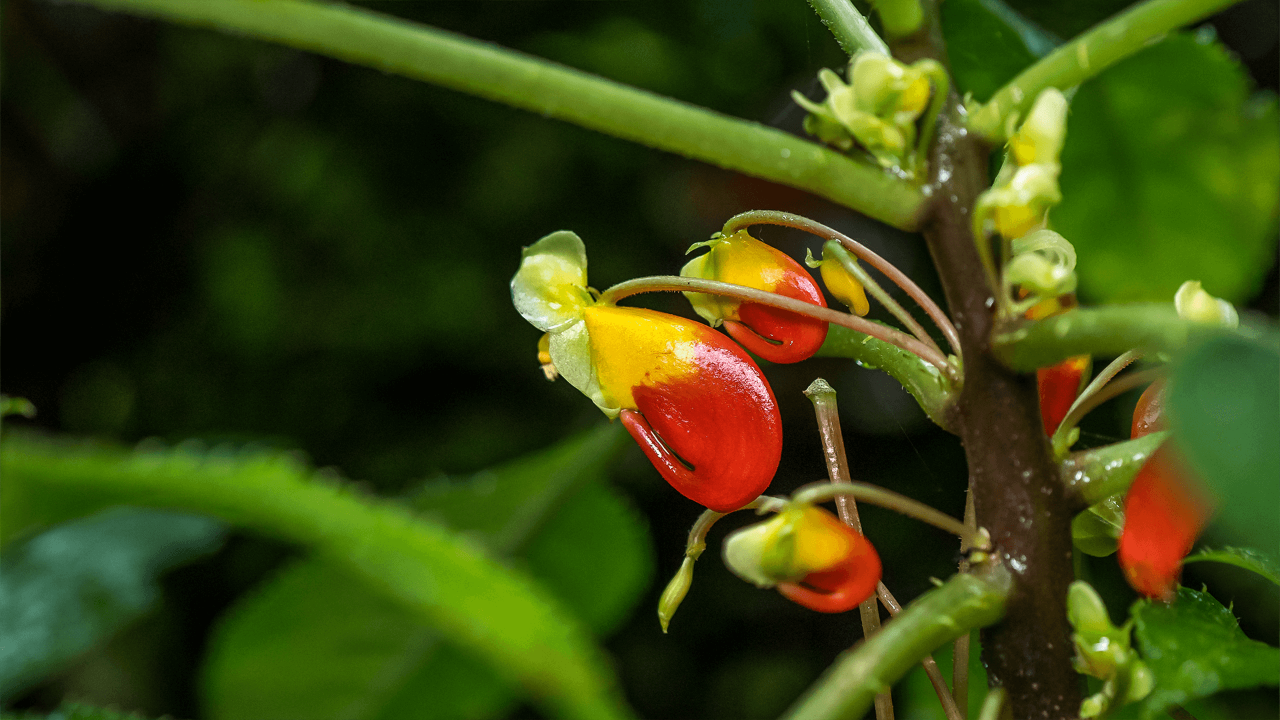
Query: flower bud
x,y
674,594
1040,138
1193,303
839,281
775,335
814,559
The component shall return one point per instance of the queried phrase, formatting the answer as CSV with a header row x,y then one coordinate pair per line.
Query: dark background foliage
x,y
211,237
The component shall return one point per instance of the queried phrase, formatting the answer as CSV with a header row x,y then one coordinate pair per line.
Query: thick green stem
x,y
398,46
1094,475
498,614
1086,56
850,29
1107,330
926,383
849,687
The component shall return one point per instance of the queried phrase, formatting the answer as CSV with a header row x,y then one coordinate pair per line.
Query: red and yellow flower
x,y
1164,510
812,557
697,405
775,335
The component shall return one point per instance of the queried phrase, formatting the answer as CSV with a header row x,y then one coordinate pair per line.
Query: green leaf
x,y
445,579
988,43
1247,558
69,588
1225,418
1171,172
315,643
1195,648
73,711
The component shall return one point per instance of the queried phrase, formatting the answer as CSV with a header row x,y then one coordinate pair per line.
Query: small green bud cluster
x,y
1104,651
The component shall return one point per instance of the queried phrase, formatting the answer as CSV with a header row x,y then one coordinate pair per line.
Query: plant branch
x,y
1107,330
850,29
823,397
500,615
888,269
672,283
850,685
398,46
1092,476
932,390
1087,55
949,707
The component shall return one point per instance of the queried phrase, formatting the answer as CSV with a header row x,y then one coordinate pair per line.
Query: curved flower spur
x,y
773,334
695,402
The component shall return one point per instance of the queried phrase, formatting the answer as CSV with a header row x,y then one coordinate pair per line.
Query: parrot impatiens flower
x,y
1164,510
813,558
695,402
1166,506
1059,385
775,335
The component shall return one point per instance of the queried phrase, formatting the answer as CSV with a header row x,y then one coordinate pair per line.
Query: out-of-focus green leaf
x,y
988,43
1170,172
73,711
1247,558
447,580
1195,648
317,644
1224,409
63,591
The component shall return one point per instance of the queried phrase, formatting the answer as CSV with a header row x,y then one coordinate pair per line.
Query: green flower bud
x,y
674,594
1193,303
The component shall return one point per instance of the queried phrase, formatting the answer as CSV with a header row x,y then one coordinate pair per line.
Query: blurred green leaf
x,y
1247,558
73,711
1224,410
1195,648
444,578
989,43
1171,172
67,589
317,644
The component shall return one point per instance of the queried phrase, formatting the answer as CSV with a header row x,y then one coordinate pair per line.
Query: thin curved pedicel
x,y
773,334
695,403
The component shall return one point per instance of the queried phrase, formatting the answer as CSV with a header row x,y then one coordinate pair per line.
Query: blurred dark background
x,y
206,236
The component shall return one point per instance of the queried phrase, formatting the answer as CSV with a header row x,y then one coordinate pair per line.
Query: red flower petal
x,y
1059,385
840,588
716,436
1164,512
1148,416
777,335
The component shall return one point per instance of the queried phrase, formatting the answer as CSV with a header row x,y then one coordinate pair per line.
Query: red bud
x,y
1059,385
1164,512
842,587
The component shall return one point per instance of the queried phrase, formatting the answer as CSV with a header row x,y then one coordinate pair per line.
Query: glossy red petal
x,y
841,588
1148,416
1164,512
1059,385
716,437
777,335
